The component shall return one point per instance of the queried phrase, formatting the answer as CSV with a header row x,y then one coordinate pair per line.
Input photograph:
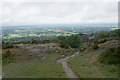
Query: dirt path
x,y
68,71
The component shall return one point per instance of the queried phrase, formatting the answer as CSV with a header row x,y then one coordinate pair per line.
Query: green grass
x,y
44,68
0,61
8,57
0,66
83,68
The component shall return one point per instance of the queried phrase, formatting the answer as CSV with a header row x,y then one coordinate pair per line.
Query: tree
x,y
73,40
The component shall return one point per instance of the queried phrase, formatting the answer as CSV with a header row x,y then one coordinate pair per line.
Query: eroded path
x,y
0,77
68,71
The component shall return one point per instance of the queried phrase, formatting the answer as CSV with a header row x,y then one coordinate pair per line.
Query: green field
x,y
48,31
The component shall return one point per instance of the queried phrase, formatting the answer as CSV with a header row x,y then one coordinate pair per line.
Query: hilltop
x,y
79,52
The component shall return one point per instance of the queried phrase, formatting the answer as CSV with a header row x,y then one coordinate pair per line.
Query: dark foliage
x,y
109,34
73,40
7,45
110,56
95,46
8,57
63,45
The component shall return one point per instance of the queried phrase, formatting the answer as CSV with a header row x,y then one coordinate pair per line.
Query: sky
x,y
24,12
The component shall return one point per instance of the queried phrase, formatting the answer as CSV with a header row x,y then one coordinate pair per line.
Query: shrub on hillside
x,y
8,57
44,41
102,40
110,56
7,45
96,42
95,46
63,45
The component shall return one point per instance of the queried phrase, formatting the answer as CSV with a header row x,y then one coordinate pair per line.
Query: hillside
x,y
37,58
90,65
62,57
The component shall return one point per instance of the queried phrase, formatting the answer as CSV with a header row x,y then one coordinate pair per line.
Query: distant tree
x,y
81,34
74,41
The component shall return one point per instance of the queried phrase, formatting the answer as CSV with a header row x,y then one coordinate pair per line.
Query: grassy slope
x,y
44,68
0,67
0,61
83,67
36,66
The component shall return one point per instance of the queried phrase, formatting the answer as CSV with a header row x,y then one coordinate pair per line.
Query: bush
x,y
63,45
96,42
102,41
110,56
7,45
82,49
45,41
8,57
73,40
95,46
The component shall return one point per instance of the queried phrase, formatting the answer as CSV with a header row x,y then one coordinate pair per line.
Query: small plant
x,y
66,54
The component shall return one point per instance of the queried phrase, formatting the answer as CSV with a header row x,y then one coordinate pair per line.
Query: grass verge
x,y
43,68
83,67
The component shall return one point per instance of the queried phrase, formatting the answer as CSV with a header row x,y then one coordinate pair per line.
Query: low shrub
x,y
45,41
8,57
95,46
110,56
7,45
63,45
103,41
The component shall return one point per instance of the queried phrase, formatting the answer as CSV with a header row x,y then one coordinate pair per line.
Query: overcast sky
x,y
21,12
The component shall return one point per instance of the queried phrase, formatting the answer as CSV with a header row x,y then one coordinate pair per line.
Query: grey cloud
x,y
62,12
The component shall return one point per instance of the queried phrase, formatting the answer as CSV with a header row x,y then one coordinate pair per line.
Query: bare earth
x,y
0,77
68,71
